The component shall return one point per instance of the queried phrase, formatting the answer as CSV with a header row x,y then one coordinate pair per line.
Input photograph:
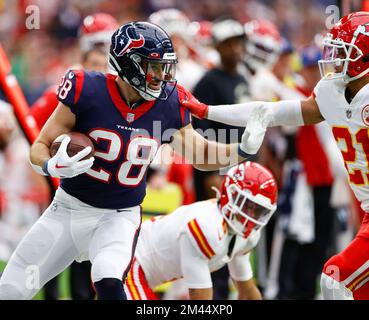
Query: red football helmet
x,y
97,29
248,197
346,48
202,31
173,21
263,45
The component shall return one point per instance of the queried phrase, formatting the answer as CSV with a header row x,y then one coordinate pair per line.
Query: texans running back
x,y
96,213
341,98
202,237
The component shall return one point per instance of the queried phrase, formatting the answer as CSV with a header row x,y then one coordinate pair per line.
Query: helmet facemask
x,y
245,212
337,54
149,76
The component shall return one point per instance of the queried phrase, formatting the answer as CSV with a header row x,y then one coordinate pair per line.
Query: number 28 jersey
x,y
350,127
126,140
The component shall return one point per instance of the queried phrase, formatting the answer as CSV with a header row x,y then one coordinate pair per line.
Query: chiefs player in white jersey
x,y
341,98
202,237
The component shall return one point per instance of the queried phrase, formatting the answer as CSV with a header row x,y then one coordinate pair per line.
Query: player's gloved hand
x,y
197,108
253,135
63,166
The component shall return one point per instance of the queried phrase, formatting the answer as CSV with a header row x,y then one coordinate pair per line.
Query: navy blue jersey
x,y
125,139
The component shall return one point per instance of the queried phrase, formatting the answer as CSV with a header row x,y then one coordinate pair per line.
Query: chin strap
x,y
349,79
217,192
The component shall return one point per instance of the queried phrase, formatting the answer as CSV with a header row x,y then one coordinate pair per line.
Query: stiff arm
x,y
282,113
205,155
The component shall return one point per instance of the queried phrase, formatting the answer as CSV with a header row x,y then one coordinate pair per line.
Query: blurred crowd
x,y
55,44
229,52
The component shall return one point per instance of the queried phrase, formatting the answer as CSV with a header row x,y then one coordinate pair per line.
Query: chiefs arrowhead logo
x,y
130,44
365,115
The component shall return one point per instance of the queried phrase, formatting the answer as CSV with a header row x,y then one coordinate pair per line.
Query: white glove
x,y
63,166
257,124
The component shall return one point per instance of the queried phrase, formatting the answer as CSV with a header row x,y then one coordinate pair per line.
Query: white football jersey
x,y
349,123
158,248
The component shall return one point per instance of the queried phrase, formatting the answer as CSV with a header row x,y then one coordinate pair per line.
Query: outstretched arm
x,y
209,155
203,154
282,113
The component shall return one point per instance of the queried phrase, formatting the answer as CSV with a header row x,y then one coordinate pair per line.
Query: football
x,y
78,142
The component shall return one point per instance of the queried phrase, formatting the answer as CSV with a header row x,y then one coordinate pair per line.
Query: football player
x,y
96,214
202,237
341,98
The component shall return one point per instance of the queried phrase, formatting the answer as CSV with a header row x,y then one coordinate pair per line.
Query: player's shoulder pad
x,y
184,94
325,87
317,89
204,228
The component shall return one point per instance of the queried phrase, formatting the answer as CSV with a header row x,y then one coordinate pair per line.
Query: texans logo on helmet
x,y
121,40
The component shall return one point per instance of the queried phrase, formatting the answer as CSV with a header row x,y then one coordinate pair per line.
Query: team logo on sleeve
x,y
365,115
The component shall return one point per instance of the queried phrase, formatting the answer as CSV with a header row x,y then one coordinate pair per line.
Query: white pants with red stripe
x,y
136,285
71,230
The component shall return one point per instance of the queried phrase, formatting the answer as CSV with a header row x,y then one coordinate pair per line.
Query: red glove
x,y
197,108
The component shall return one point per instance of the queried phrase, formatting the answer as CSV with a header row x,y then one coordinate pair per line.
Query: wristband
x,y
44,168
244,154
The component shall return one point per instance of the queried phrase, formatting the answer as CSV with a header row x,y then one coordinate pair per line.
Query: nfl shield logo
x,y
348,114
130,117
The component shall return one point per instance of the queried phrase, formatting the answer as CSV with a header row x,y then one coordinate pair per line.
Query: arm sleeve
x,y
70,88
195,268
284,113
240,268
